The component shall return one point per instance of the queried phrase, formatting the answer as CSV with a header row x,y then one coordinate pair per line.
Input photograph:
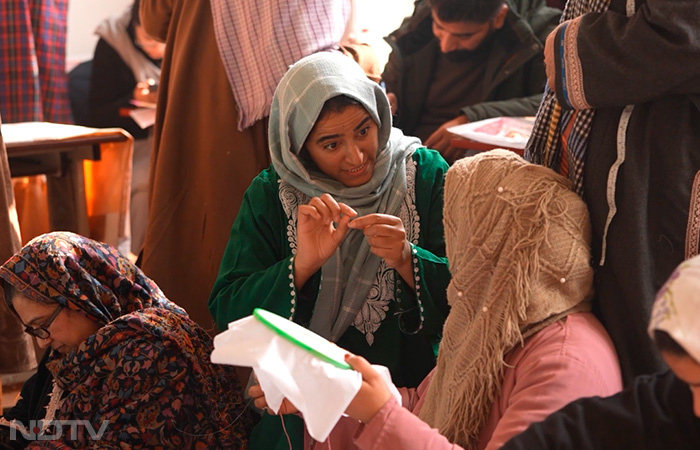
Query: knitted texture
x,y
517,241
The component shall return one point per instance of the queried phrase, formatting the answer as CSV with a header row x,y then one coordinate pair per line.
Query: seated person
x,y
519,341
376,284
459,61
119,355
656,412
126,67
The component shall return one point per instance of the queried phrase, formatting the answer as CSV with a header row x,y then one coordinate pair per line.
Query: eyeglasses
x,y
42,331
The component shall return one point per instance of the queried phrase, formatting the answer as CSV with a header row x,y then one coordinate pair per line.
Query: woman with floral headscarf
x,y
120,356
343,233
519,341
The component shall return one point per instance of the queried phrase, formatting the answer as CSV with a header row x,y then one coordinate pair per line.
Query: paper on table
x,y
510,132
318,389
42,131
144,117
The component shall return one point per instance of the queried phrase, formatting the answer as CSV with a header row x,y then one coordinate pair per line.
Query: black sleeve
x,y
654,413
31,405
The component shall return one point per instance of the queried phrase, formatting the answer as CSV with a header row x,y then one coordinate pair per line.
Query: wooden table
x,y
58,151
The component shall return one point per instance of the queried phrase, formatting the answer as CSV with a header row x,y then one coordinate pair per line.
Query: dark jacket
x,y
111,90
515,71
654,413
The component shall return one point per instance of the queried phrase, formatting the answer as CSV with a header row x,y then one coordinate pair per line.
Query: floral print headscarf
x,y
146,373
83,275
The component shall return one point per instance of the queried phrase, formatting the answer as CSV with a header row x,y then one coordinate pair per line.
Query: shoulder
x,y
429,160
538,16
577,345
265,182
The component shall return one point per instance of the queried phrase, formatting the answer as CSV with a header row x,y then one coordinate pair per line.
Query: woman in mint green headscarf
x,y
343,233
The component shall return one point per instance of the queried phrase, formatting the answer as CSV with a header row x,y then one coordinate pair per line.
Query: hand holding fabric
x,y
440,139
256,393
387,239
322,224
373,393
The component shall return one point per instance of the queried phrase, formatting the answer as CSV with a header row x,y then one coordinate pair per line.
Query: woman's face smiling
x,y
344,145
67,331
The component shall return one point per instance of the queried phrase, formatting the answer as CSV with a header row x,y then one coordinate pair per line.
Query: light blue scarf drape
x,y
349,274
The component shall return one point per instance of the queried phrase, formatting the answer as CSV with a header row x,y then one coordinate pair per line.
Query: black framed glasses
x,y
42,331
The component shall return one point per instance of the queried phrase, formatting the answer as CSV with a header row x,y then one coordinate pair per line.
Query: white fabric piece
x,y
318,389
677,307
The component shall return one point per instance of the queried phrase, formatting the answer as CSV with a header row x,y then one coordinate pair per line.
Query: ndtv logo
x,y
34,433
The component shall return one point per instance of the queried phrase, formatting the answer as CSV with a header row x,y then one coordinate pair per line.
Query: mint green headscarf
x,y
349,274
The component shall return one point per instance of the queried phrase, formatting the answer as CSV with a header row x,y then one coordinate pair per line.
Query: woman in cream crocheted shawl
x,y
519,341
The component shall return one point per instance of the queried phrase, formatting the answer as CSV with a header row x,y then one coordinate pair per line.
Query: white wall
x,y
378,17
83,18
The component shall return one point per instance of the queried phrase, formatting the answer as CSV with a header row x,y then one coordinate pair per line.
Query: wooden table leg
x,y
66,195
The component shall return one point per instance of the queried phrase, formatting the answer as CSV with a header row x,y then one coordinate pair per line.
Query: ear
x,y
500,17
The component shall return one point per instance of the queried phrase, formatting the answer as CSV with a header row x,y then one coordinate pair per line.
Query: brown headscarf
x,y
517,241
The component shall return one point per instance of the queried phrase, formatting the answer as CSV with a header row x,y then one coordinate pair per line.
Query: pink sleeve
x,y
394,427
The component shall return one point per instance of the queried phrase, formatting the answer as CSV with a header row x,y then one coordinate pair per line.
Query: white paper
x,y
144,117
321,391
509,132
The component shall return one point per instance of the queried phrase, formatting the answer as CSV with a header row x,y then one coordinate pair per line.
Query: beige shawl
x,y
517,240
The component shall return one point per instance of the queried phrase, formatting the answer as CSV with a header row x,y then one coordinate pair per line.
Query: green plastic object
x,y
303,338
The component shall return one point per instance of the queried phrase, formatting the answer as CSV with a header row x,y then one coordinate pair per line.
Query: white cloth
x,y
677,307
318,389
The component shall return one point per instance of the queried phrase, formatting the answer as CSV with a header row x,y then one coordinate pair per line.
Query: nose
x,y
448,43
355,155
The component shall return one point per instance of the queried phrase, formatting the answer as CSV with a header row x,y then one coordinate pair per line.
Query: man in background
x,y
459,61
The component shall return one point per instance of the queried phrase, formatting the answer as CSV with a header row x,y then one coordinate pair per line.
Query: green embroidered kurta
x,y
400,327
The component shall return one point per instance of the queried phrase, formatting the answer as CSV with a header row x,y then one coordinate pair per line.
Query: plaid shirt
x,y
33,80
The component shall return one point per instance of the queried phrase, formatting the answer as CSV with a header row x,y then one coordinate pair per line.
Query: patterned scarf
x,y
517,241
560,136
259,40
297,103
677,307
187,401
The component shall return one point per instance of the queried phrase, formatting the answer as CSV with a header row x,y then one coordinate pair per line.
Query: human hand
x,y
256,393
373,393
144,91
440,139
321,226
386,237
393,102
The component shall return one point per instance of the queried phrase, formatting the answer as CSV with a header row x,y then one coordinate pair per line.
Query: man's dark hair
x,y
665,343
475,11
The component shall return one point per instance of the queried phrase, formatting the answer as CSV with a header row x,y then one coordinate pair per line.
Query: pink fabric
x,y
567,360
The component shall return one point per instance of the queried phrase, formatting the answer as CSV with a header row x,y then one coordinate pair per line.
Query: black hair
x,y
336,105
475,11
135,18
665,343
